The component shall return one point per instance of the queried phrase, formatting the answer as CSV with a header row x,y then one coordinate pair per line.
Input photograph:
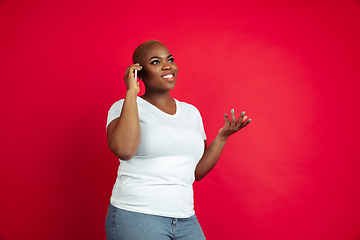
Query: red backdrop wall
x,y
292,65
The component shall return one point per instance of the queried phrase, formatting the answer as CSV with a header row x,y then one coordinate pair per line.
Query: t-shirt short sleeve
x,y
114,111
201,125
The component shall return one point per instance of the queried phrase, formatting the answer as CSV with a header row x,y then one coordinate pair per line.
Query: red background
x,y
293,173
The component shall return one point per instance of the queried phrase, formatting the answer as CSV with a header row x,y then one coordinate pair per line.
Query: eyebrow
x,y
160,57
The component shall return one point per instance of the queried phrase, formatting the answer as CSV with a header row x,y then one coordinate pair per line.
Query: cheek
x,y
148,73
144,72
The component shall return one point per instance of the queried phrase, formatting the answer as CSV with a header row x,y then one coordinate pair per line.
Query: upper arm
x,y
110,128
113,117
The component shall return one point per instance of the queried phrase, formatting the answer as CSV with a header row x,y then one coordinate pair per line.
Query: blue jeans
x,y
127,225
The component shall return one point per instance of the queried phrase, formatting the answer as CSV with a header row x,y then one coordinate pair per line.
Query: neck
x,y
158,98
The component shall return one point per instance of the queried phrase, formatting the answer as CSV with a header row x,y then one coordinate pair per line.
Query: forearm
x,y
210,158
125,135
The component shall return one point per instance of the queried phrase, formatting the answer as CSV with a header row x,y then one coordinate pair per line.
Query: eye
x,y
171,60
155,62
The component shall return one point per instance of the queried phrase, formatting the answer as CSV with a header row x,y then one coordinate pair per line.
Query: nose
x,y
167,66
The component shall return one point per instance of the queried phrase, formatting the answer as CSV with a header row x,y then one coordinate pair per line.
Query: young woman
x,y
162,148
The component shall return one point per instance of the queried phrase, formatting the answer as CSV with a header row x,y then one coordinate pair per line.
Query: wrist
x,y
222,137
131,93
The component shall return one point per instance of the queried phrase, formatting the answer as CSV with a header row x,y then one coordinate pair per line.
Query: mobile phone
x,y
136,75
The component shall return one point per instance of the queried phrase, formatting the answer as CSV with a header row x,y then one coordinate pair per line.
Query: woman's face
x,y
159,70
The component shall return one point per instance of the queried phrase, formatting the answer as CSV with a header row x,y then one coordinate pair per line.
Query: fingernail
x,y
225,114
249,120
243,113
232,110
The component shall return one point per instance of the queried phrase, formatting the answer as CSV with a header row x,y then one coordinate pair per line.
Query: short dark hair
x,y
140,50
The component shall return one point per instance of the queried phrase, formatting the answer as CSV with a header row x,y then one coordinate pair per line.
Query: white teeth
x,y
168,76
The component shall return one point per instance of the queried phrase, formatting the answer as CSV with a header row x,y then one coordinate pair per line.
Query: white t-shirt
x,y
158,179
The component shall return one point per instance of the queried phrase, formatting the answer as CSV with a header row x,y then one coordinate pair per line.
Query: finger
x,y
130,80
138,86
241,119
245,123
129,70
233,118
226,119
132,68
136,66
242,124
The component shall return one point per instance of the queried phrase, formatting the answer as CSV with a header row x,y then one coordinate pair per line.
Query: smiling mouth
x,y
168,76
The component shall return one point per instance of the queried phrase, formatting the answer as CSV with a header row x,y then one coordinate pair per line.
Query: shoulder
x,y
117,105
187,107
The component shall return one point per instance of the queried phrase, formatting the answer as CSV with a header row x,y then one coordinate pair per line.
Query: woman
x,y
162,149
